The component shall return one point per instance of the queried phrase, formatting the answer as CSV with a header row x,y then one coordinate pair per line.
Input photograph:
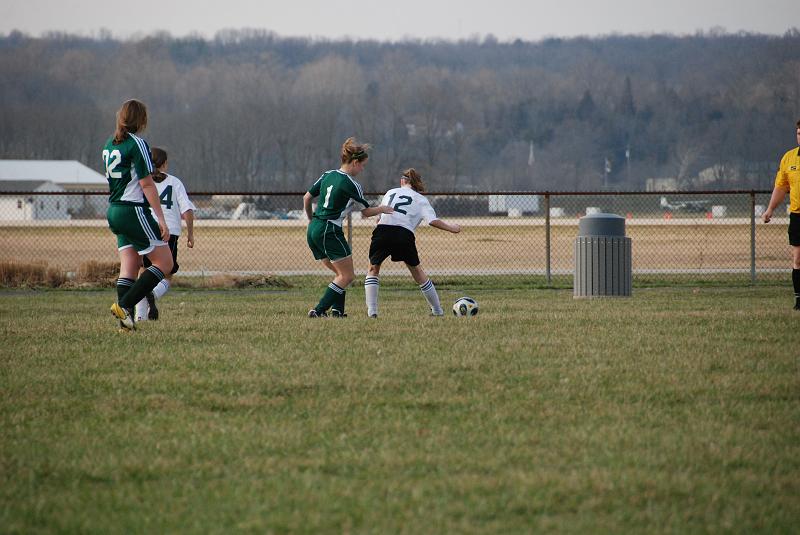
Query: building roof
x,y
58,171
28,185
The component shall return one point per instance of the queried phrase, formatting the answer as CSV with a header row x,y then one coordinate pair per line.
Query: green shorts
x,y
327,240
135,227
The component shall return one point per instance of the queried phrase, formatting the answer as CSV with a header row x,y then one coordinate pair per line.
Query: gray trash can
x,y
602,257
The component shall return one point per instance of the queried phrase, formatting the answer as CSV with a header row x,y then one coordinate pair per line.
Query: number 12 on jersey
x,y
405,201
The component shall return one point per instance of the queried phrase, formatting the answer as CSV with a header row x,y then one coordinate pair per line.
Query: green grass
x,y
674,411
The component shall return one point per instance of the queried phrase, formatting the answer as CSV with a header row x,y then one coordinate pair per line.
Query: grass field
x,y
674,411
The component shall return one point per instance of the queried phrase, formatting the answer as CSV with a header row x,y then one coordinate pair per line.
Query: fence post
x,y
350,230
753,237
547,237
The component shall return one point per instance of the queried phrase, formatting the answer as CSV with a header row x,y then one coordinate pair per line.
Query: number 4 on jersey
x,y
166,197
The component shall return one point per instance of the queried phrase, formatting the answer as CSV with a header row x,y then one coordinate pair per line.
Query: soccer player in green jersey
x,y
129,170
339,194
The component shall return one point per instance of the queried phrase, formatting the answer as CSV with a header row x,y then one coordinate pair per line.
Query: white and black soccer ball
x,y
465,306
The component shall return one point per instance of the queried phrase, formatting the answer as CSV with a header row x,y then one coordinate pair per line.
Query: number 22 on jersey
x,y
112,160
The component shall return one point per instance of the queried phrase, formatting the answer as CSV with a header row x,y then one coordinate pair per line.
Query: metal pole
x,y
350,230
752,237
547,237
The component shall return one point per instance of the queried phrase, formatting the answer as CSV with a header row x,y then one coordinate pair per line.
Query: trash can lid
x,y
601,225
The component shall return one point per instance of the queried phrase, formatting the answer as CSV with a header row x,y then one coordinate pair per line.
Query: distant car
x,y
295,214
248,210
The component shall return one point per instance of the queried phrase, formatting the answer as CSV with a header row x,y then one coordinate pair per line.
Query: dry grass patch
x,y
102,273
230,282
30,275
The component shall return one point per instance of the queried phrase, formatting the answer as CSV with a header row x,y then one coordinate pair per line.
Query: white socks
x,y
429,291
161,288
371,286
142,308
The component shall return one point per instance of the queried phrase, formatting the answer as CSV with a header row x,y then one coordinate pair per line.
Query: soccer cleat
x,y
152,314
314,314
373,316
336,314
797,306
125,317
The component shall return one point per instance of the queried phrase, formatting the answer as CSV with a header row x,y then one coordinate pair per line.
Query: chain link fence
x,y
518,236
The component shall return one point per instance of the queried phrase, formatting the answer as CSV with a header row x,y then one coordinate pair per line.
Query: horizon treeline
x,y
251,111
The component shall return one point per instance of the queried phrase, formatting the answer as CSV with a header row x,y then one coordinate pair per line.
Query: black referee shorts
x,y
173,247
394,241
794,228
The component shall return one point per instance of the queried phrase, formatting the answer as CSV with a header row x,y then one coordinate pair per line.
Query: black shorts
x,y
794,229
173,247
393,240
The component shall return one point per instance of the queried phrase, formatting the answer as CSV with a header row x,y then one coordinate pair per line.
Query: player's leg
x,y
129,264
345,273
796,275
163,287
161,259
328,297
427,288
329,245
371,287
379,250
142,307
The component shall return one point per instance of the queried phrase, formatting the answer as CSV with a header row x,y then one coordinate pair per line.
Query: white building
x,y
17,202
69,175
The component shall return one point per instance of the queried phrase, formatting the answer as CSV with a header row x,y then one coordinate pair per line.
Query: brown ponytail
x,y
159,158
131,118
352,150
415,179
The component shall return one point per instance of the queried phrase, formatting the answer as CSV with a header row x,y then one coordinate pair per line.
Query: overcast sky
x,y
399,19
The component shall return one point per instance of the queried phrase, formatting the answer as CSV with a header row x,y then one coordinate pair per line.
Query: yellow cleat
x,y
125,319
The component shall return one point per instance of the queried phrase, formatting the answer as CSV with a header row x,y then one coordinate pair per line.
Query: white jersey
x,y
410,207
174,202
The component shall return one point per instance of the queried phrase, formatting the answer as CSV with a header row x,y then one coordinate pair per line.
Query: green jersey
x,y
125,164
338,195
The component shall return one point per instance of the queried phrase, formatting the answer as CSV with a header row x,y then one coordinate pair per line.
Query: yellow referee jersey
x,y
789,177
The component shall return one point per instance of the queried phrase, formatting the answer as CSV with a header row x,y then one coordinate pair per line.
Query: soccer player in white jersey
x,y
394,236
176,205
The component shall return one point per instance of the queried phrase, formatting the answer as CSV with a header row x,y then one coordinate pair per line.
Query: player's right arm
x,y
311,194
307,199
375,210
780,191
144,168
150,192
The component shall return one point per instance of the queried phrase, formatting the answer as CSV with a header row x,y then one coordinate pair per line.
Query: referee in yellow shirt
x,y
788,180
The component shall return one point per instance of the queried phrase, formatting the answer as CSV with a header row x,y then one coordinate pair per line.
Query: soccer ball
x,y
465,306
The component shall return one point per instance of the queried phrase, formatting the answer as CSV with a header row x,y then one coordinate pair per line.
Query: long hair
x,y
353,150
159,158
131,118
415,179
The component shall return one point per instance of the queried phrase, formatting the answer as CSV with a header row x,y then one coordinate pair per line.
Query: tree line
x,y
251,111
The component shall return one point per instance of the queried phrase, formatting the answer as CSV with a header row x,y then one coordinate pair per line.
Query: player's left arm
x,y
186,207
430,216
188,216
455,228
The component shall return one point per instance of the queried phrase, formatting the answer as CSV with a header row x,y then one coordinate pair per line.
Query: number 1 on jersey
x,y
327,196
